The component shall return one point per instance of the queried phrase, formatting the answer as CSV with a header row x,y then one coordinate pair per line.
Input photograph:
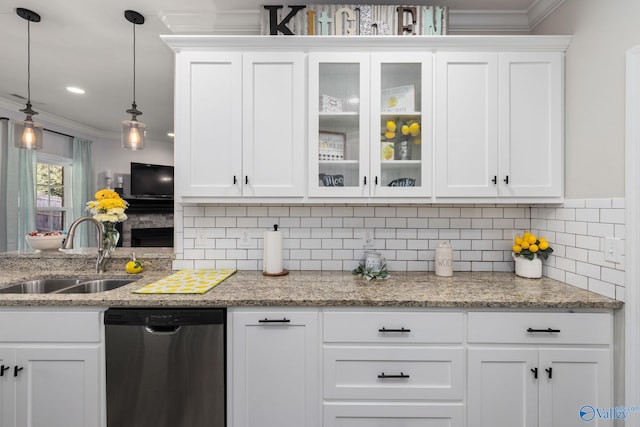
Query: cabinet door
x,y
58,387
7,388
466,124
378,414
578,384
208,141
401,124
275,368
531,130
503,391
274,117
339,125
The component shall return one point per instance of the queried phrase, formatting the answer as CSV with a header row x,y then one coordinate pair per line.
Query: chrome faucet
x,y
102,256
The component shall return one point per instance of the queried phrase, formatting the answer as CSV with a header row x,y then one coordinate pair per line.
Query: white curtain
x,y
17,185
82,190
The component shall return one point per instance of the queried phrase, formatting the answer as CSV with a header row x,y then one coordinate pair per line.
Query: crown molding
x,y
247,22
69,126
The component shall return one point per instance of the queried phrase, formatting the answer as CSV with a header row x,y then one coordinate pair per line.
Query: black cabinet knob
x,y
3,369
17,369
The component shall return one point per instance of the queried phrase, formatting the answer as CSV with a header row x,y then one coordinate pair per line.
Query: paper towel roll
x,y
272,262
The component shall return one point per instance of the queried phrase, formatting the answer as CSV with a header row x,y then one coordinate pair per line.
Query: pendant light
x,y
31,136
133,131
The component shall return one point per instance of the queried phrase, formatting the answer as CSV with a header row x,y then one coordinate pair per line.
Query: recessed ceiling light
x,y
74,89
171,134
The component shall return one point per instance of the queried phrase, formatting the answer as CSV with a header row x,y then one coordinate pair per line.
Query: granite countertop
x,y
331,289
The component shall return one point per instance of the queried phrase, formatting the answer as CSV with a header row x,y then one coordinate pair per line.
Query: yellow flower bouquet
x,y
108,208
529,245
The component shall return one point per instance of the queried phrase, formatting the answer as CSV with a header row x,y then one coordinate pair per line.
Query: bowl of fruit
x,y
48,241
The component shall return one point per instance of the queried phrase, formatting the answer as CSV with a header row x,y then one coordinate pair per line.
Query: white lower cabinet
x,y
379,367
274,368
50,369
393,368
542,376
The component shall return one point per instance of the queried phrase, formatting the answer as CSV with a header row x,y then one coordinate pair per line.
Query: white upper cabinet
x,y
370,124
499,126
455,119
239,124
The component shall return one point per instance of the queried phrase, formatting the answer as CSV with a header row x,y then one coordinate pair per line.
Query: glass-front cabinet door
x,y
401,124
339,125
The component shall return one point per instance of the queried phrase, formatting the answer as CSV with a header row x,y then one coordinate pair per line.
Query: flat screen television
x,y
149,180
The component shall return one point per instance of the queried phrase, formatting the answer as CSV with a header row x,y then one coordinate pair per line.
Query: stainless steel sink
x,y
41,286
66,285
95,286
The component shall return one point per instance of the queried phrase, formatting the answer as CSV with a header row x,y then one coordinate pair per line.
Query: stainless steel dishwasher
x,y
165,367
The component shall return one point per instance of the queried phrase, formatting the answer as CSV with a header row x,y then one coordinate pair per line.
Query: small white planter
x,y
531,269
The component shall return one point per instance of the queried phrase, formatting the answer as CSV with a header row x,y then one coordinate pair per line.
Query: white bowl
x,y
46,243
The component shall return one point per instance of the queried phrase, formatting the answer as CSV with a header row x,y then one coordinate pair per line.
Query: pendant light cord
x,y
29,62
134,63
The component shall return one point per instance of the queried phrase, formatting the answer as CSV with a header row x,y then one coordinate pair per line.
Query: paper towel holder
x,y
284,271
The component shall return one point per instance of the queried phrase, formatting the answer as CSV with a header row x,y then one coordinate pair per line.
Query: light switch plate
x,y
613,250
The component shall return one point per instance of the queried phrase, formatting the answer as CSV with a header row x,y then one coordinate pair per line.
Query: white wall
x,y
107,154
595,84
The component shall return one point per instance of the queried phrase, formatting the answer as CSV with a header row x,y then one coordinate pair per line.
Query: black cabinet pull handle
x,y
402,375
506,179
235,180
531,330
549,372
495,179
283,320
383,329
2,369
535,373
365,180
17,369
246,179
375,180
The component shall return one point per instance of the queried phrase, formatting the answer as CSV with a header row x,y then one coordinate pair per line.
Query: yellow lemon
x,y
542,239
405,130
517,240
533,248
525,244
526,235
389,135
391,126
133,267
543,245
532,239
517,249
414,129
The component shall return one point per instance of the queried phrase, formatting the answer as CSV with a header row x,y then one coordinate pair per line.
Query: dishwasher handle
x,y
162,330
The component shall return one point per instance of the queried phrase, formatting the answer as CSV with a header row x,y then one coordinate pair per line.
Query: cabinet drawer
x,y
49,326
540,328
393,373
386,414
393,327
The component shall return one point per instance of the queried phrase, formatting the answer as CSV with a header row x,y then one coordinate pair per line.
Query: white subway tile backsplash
x,y
331,237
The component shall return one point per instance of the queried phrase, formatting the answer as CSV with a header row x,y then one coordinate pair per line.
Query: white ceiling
x,y
89,44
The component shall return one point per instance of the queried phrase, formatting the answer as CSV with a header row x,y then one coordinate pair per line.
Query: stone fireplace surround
x,y
146,214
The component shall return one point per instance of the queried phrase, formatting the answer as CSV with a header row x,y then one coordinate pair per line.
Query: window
x,y
53,193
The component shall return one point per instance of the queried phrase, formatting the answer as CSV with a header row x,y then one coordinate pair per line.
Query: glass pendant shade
x,y
28,135
133,135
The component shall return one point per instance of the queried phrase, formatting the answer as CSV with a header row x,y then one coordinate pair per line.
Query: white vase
x,y
529,268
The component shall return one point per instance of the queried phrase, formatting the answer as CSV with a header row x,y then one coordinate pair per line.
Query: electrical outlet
x,y
245,239
613,250
367,238
201,238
